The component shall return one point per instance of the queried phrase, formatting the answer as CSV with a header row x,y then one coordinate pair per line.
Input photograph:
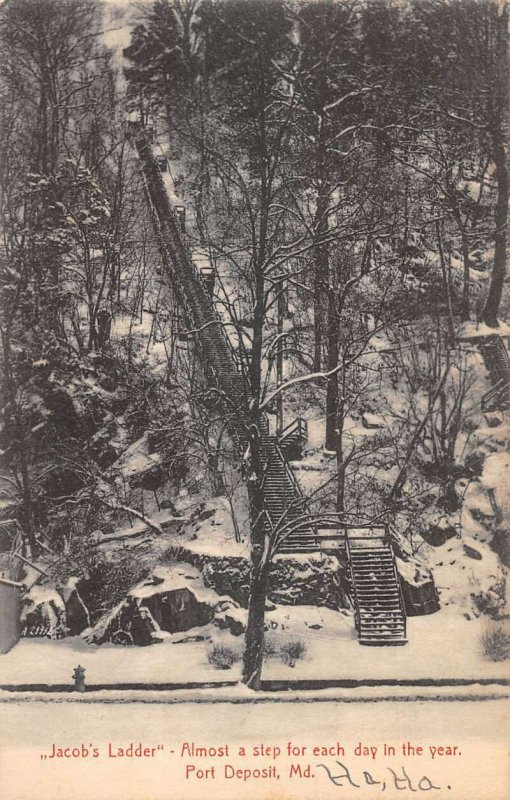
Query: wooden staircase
x,y
193,288
287,510
380,617
380,613
497,362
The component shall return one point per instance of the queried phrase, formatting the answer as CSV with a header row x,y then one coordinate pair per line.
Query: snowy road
x,y
478,769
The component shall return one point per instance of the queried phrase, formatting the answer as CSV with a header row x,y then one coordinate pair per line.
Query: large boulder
x,y
501,544
418,588
172,599
299,580
374,421
438,532
128,624
232,618
43,613
77,615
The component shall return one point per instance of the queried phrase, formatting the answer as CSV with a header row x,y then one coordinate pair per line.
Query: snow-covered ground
x,y
443,645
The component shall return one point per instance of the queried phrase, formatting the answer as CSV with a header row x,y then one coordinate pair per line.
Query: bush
x,y
271,647
496,643
292,650
222,656
288,650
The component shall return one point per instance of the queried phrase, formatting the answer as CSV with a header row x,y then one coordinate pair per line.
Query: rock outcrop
x,y
418,588
54,612
171,600
43,613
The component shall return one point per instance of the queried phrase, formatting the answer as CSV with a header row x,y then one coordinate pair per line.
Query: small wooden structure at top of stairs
x,y
293,438
380,613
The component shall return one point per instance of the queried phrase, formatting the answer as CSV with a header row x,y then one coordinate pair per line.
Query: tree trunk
x,y
465,308
254,639
490,312
28,509
332,363
500,145
321,269
446,281
23,445
340,462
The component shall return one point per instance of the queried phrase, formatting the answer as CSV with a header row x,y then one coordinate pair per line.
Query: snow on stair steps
x,y
379,608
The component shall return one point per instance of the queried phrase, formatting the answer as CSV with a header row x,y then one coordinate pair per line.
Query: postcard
x,y
255,320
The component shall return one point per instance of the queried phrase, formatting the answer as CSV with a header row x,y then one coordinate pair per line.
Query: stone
x,y
126,624
500,543
178,610
418,588
472,553
173,599
43,613
492,602
233,619
291,582
77,615
372,420
437,535
494,419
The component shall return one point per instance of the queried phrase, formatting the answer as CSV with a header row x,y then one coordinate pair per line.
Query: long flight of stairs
x,y
380,614
286,507
376,590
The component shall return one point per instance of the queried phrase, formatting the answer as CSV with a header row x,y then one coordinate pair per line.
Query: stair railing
x,y
357,618
502,352
298,425
496,393
193,294
399,586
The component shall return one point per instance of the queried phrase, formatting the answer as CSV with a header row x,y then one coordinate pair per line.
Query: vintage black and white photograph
x,y
254,400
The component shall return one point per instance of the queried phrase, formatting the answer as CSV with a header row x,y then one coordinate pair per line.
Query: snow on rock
x,y
172,599
232,618
418,587
372,420
495,476
463,578
440,528
136,459
77,614
54,611
127,624
43,613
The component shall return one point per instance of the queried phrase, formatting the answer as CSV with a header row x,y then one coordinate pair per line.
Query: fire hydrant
x,y
79,678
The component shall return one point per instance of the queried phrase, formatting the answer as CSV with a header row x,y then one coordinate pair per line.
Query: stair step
x,y
379,625
376,630
367,558
372,569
